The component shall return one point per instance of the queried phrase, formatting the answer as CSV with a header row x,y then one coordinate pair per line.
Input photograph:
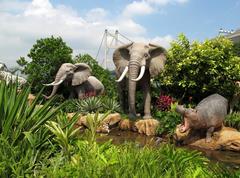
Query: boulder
x,y
225,139
126,124
104,127
147,126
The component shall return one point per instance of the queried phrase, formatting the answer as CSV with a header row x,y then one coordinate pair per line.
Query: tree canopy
x,y
199,69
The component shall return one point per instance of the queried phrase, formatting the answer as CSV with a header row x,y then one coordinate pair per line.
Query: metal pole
x,y
105,49
116,38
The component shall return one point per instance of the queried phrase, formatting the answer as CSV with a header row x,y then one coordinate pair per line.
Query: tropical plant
x,y
199,69
110,104
47,55
22,132
89,105
63,137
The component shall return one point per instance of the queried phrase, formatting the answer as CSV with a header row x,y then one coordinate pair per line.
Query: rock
x,y
225,139
147,126
126,124
104,126
112,119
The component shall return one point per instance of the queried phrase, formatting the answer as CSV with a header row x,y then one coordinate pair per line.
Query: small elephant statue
x,y
136,64
78,77
208,115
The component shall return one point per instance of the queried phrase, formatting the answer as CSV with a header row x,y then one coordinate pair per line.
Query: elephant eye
x,y
146,55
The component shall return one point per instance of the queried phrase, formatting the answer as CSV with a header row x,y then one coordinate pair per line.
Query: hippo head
x,y
190,118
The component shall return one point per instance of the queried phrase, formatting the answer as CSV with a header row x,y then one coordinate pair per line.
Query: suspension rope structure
x,y
107,41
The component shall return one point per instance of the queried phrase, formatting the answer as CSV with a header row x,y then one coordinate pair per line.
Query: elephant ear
x,y
158,59
81,73
121,58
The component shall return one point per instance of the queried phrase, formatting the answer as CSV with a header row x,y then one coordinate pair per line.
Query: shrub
x,y
233,120
168,122
200,69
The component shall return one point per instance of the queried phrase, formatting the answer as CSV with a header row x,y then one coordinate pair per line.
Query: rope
x,y
100,46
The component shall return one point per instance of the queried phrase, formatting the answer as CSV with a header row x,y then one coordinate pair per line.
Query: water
x,y
229,158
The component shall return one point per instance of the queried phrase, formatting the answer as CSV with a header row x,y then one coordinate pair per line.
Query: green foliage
x,y
233,120
23,136
126,161
236,49
89,105
110,104
101,74
63,137
99,103
46,56
168,122
199,69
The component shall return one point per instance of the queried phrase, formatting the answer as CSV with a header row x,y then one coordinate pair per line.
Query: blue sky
x,y
81,23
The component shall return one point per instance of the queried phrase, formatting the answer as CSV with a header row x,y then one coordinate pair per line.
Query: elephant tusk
x,y
49,84
140,75
123,74
58,83
53,83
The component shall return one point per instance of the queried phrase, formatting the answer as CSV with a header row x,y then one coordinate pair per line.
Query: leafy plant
x,y
89,105
110,104
22,132
168,122
63,137
233,120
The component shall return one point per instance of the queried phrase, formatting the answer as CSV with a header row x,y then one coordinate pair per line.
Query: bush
x,y
101,74
168,122
233,120
199,69
47,55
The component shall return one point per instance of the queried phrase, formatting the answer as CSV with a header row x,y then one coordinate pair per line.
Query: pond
x,y
228,158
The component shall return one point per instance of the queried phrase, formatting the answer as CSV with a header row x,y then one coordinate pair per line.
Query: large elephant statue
x,y
136,64
78,77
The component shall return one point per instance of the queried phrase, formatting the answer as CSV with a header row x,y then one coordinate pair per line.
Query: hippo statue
x,y
208,115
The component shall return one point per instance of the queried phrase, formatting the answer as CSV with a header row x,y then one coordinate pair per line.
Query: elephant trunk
x,y
133,74
58,80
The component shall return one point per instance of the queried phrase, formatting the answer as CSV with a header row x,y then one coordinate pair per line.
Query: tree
x,y
46,56
102,74
199,69
236,49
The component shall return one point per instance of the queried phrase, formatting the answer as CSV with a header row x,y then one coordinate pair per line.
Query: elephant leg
x,y
147,99
122,97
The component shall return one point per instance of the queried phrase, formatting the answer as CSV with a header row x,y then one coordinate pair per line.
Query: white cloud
x,y
165,2
30,21
137,8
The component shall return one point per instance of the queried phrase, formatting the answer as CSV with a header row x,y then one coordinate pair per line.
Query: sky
x,y
81,23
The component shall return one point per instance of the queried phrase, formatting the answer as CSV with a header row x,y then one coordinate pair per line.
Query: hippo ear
x,y
180,109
